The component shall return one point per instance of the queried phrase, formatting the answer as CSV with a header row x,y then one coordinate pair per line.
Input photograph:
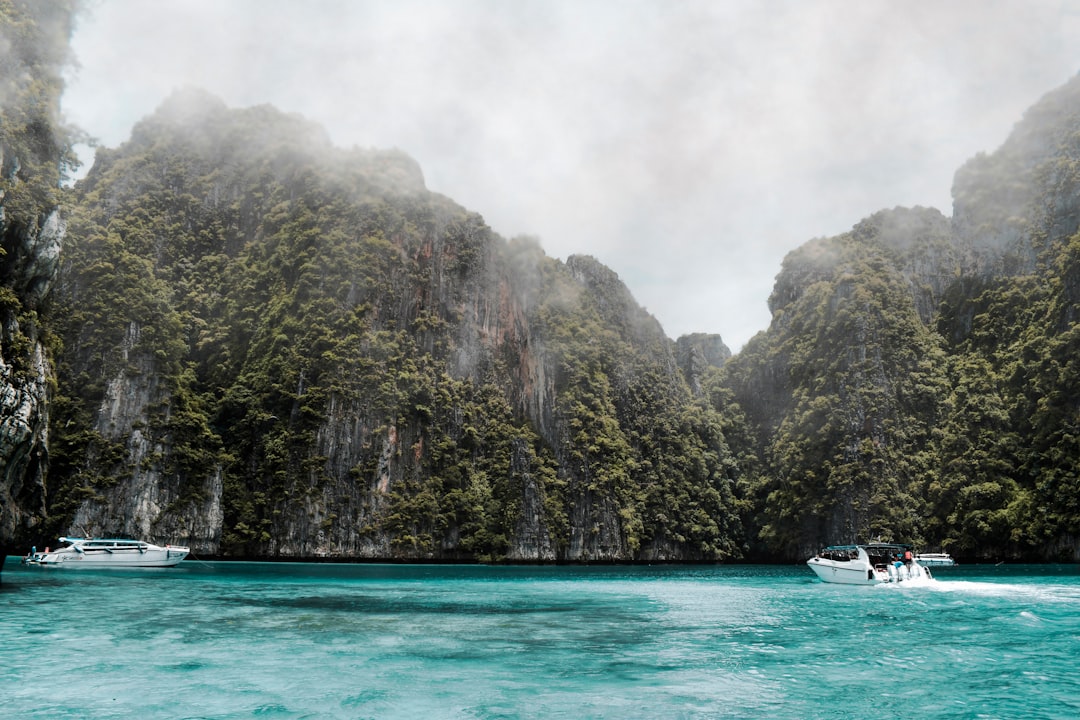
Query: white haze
x,y
687,145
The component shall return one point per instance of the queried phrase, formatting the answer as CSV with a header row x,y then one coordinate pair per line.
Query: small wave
x,y
1030,617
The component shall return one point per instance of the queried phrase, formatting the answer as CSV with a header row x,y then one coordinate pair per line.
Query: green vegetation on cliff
x,y
844,393
919,380
35,145
361,365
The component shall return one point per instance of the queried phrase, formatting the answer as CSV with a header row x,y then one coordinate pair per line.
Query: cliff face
x,y
911,364
841,394
149,501
26,373
33,50
274,347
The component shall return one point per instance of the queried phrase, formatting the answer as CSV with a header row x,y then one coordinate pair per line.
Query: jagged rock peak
x,y
708,347
697,352
205,124
903,229
811,262
613,299
592,273
918,243
203,127
1046,125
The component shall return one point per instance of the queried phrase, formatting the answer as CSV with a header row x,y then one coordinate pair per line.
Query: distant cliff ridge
x,y
698,352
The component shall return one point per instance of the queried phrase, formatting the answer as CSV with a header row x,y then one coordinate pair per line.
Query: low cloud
x,y
687,145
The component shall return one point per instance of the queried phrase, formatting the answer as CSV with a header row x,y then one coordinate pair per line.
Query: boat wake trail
x,y
1014,591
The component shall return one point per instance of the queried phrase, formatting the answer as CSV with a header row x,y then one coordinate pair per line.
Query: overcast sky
x,y
687,145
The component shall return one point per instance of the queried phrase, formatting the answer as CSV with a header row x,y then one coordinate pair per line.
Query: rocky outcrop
x,y
26,373
33,158
918,362
698,351
31,262
919,243
922,247
24,394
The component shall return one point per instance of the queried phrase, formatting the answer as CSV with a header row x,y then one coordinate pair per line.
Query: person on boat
x,y
908,558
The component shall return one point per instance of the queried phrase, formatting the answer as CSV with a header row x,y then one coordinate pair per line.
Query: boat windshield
x,y
81,544
882,554
114,544
840,553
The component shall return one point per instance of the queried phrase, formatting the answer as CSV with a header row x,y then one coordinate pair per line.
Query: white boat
x,y
935,559
870,564
108,553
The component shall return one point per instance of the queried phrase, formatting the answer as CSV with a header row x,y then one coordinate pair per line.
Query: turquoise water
x,y
260,640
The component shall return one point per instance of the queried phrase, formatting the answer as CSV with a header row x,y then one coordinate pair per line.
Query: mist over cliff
x,y
235,335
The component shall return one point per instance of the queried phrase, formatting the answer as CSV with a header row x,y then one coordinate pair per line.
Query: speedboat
x,y
935,559
108,553
870,564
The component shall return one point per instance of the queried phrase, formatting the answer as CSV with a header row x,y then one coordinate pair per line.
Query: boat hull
x,y
149,559
854,573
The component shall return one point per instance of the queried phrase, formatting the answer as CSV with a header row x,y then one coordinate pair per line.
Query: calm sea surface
x,y
262,640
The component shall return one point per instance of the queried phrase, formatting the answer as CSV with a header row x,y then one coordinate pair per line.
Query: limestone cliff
x,y
913,383
26,374
275,347
698,351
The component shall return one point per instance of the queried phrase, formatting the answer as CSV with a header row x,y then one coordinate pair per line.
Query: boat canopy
x,y
895,547
878,552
